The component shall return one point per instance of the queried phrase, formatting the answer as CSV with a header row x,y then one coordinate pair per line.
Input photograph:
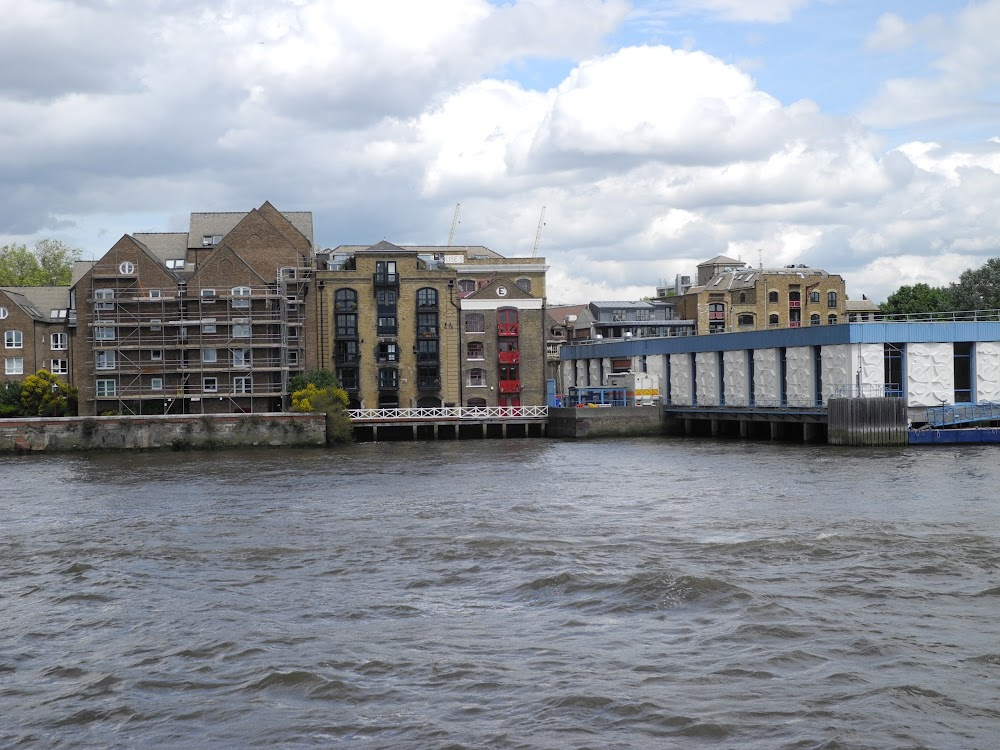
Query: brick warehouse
x,y
219,318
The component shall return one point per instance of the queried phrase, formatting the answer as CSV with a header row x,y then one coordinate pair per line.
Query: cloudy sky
x,y
862,136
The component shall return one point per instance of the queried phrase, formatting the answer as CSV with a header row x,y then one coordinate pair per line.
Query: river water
x,y
647,593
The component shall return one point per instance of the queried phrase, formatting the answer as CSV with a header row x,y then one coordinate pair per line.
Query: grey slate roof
x,y
467,250
719,259
223,222
80,269
164,245
39,301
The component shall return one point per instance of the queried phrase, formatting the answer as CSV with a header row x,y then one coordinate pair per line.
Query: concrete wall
x,y
162,432
605,421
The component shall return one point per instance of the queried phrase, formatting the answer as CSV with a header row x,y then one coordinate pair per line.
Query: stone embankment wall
x,y
182,432
605,421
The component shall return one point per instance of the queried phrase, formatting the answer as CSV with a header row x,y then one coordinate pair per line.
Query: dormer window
x,y
209,240
176,264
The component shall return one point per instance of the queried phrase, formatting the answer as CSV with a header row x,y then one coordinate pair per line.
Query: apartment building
x,y
215,319
730,296
33,323
424,326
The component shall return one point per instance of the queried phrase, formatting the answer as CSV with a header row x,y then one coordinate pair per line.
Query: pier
x,y
450,423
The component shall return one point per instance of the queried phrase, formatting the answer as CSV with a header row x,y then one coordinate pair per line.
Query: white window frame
x,y
175,264
13,340
105,388
156,355
241,331
293,359
243,384
240,297
4,312
126,268
105,359
208,325
59,342
209,356
208,295
241,357
481,377
104,333
13,366
155,294
210,385
156,384
59,366
58,313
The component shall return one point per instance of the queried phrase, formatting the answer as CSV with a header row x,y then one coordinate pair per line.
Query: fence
x,y
470,413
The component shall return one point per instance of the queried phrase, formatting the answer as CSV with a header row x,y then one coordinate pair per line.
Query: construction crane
x,y
538,234
454,223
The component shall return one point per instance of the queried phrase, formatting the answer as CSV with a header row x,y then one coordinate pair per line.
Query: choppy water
x,y
503,594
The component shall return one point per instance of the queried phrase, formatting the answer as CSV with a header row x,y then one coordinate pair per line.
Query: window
x,y
743,298
831,320
103,299
105,388
210,385
427,297
347,351
387,353
619,314
345,300
242,384
427,351
242,357
58,314
4,312
475,350
104,333
105,359
208,325
347,324
59,366
964,374
387,325
126,268
156,384
477,403
386,298
58,341
508,345
209,356
831,299
745,319
175,264
814,319
211,239
772,319
348,377
524,285
427,325
466,287
814,297
240,297
388,377
13,340
509,372
772,297
293,333
475,323
208,295
241,330
477,378
507,316
13,366
643,314
156,355
385,272
154,325
293,358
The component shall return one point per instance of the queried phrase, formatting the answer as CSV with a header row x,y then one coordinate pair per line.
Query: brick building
x,y
409,326
33,322
215,319
731,297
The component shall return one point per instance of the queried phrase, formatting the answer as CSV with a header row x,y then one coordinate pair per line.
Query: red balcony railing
x,y
509,358
794,304
795,324
507,329
510,386
716,316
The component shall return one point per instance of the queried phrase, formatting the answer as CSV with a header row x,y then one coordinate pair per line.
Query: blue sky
x,y
862,137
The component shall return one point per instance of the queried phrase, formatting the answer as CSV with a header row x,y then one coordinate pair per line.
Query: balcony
x,y
795,324
348,358
716,316
794,304
427,332
388,384
509,358
510,386
507,329
429,384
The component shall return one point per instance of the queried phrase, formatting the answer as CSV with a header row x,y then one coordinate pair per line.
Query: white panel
x,y
800,386
707,376
930,374
766,388
605,370
568,368
734,378
656,368
581,373
837,371
870,364
594,375
495,304
680,379
987,359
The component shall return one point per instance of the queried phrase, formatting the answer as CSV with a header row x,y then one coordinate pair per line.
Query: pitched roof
x,y
39,301
211,224
720,259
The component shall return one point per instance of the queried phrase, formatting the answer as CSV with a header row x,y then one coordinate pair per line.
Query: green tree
x,y
919,298
331,400
50,263
10,399
45,395
978,288
319,378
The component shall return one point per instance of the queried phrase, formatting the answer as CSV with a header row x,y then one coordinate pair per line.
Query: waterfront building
x,y
642,319
212,320
729,296
425,326
33,323
928,364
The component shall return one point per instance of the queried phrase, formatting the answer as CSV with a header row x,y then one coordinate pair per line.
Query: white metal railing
x,y
450,412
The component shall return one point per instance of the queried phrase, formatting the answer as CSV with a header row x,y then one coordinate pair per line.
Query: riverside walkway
x,y
449,422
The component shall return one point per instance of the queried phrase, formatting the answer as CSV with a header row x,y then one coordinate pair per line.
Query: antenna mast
x,y
454,223
538,234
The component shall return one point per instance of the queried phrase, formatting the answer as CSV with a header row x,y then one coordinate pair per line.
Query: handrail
x,y
939,416
478,413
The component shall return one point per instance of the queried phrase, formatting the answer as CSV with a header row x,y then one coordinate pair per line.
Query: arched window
x,y
743,298
814,319
524,285
745,319
831,299
507,315
466,287
427,298
814,297
772,296
475,322
345,300
772,319
831,320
